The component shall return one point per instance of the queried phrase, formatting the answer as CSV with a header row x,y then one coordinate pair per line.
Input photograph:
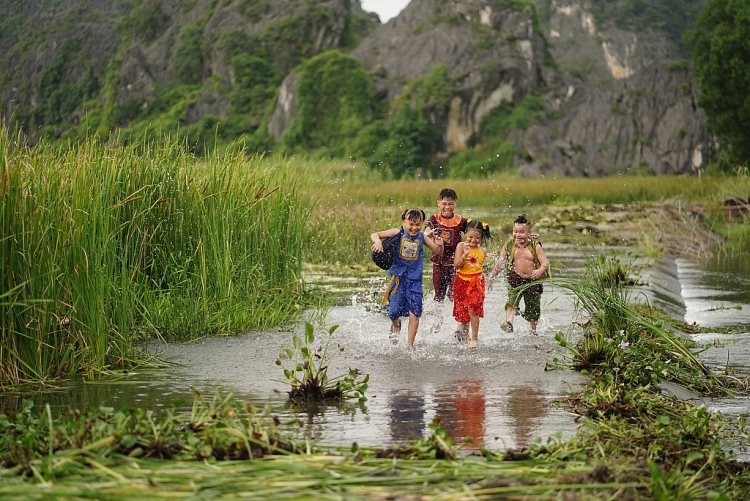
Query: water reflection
x,y
460,409
406,415
526,407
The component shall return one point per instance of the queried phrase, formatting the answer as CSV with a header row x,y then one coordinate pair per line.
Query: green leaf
x,y
309,333
296,342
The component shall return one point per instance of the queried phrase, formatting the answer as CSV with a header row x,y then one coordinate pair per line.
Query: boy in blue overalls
x,y
404,291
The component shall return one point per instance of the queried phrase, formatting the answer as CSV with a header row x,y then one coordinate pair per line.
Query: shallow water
x,y
499,395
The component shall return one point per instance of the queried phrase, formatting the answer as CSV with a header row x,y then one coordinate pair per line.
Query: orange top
x,y
472,264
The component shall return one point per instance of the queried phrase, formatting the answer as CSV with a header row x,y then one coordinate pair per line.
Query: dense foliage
x,y
721,56
334,100
104,245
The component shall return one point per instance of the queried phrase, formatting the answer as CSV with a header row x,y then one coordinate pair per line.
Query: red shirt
x,y
450,230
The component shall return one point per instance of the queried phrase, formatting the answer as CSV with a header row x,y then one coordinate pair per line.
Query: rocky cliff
x,y
615,100
613,87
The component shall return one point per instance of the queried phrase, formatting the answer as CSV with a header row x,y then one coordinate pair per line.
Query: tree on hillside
x,y
721,57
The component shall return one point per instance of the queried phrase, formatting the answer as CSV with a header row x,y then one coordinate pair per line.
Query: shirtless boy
x,y
524,260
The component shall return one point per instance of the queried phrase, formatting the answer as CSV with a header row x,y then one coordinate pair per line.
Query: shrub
x,y
333,96
189,53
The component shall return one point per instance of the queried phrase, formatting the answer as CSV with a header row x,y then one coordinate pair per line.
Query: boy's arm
x,y
377,244
499,264
543,263
436,245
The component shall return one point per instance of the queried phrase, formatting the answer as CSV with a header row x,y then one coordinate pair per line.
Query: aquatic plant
x,y
103,245
307,372
628,352
438,445
32,443
120,453
618,336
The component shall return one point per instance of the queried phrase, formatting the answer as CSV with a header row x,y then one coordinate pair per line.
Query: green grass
x,y
103,245
510,191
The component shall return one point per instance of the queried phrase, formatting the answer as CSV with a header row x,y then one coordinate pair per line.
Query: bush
x,y
333,96
189,54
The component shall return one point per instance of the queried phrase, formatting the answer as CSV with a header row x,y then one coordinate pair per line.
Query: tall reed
x,y
103,244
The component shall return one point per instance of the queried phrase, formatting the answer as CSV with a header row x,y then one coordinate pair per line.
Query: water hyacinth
x,y
306,371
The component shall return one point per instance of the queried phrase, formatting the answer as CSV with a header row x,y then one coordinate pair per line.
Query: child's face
x,y
413,226
521,233
447,206
473,238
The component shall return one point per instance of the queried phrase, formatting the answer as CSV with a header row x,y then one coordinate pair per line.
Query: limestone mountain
x,y
463,87
69,66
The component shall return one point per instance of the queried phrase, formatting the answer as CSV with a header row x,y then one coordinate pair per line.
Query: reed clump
x,y
629,424
105,244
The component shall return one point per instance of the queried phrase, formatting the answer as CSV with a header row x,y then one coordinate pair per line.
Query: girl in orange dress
x,y
468,287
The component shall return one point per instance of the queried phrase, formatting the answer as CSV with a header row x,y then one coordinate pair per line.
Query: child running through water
x,y
524,262
468,288
404,291
449,226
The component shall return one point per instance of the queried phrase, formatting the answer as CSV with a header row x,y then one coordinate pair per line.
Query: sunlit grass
x,y
513,192
103,245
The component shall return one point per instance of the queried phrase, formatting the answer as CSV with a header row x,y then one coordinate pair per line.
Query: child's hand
x,y
377,247
467,249
537,273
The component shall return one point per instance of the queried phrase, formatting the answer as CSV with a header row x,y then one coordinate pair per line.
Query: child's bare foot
x,y
395,330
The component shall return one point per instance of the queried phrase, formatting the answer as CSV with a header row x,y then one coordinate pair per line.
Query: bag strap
x,y
510,249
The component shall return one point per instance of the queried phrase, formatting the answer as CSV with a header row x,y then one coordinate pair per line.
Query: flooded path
x,y
499,394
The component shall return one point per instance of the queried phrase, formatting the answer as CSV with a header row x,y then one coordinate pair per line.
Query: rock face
x,y
611,103
108,35
286,107
145,67
647,123
493,56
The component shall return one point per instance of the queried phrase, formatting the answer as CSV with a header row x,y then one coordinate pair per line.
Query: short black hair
x,y
522,219
413,214
447,193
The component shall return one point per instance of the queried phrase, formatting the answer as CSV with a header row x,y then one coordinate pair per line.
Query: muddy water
x,y
499,395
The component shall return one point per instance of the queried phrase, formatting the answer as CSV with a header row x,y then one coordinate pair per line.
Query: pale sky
x,y
386,9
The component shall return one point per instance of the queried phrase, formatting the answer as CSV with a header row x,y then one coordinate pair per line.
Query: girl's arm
x,y
377,244
462,250
435,244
